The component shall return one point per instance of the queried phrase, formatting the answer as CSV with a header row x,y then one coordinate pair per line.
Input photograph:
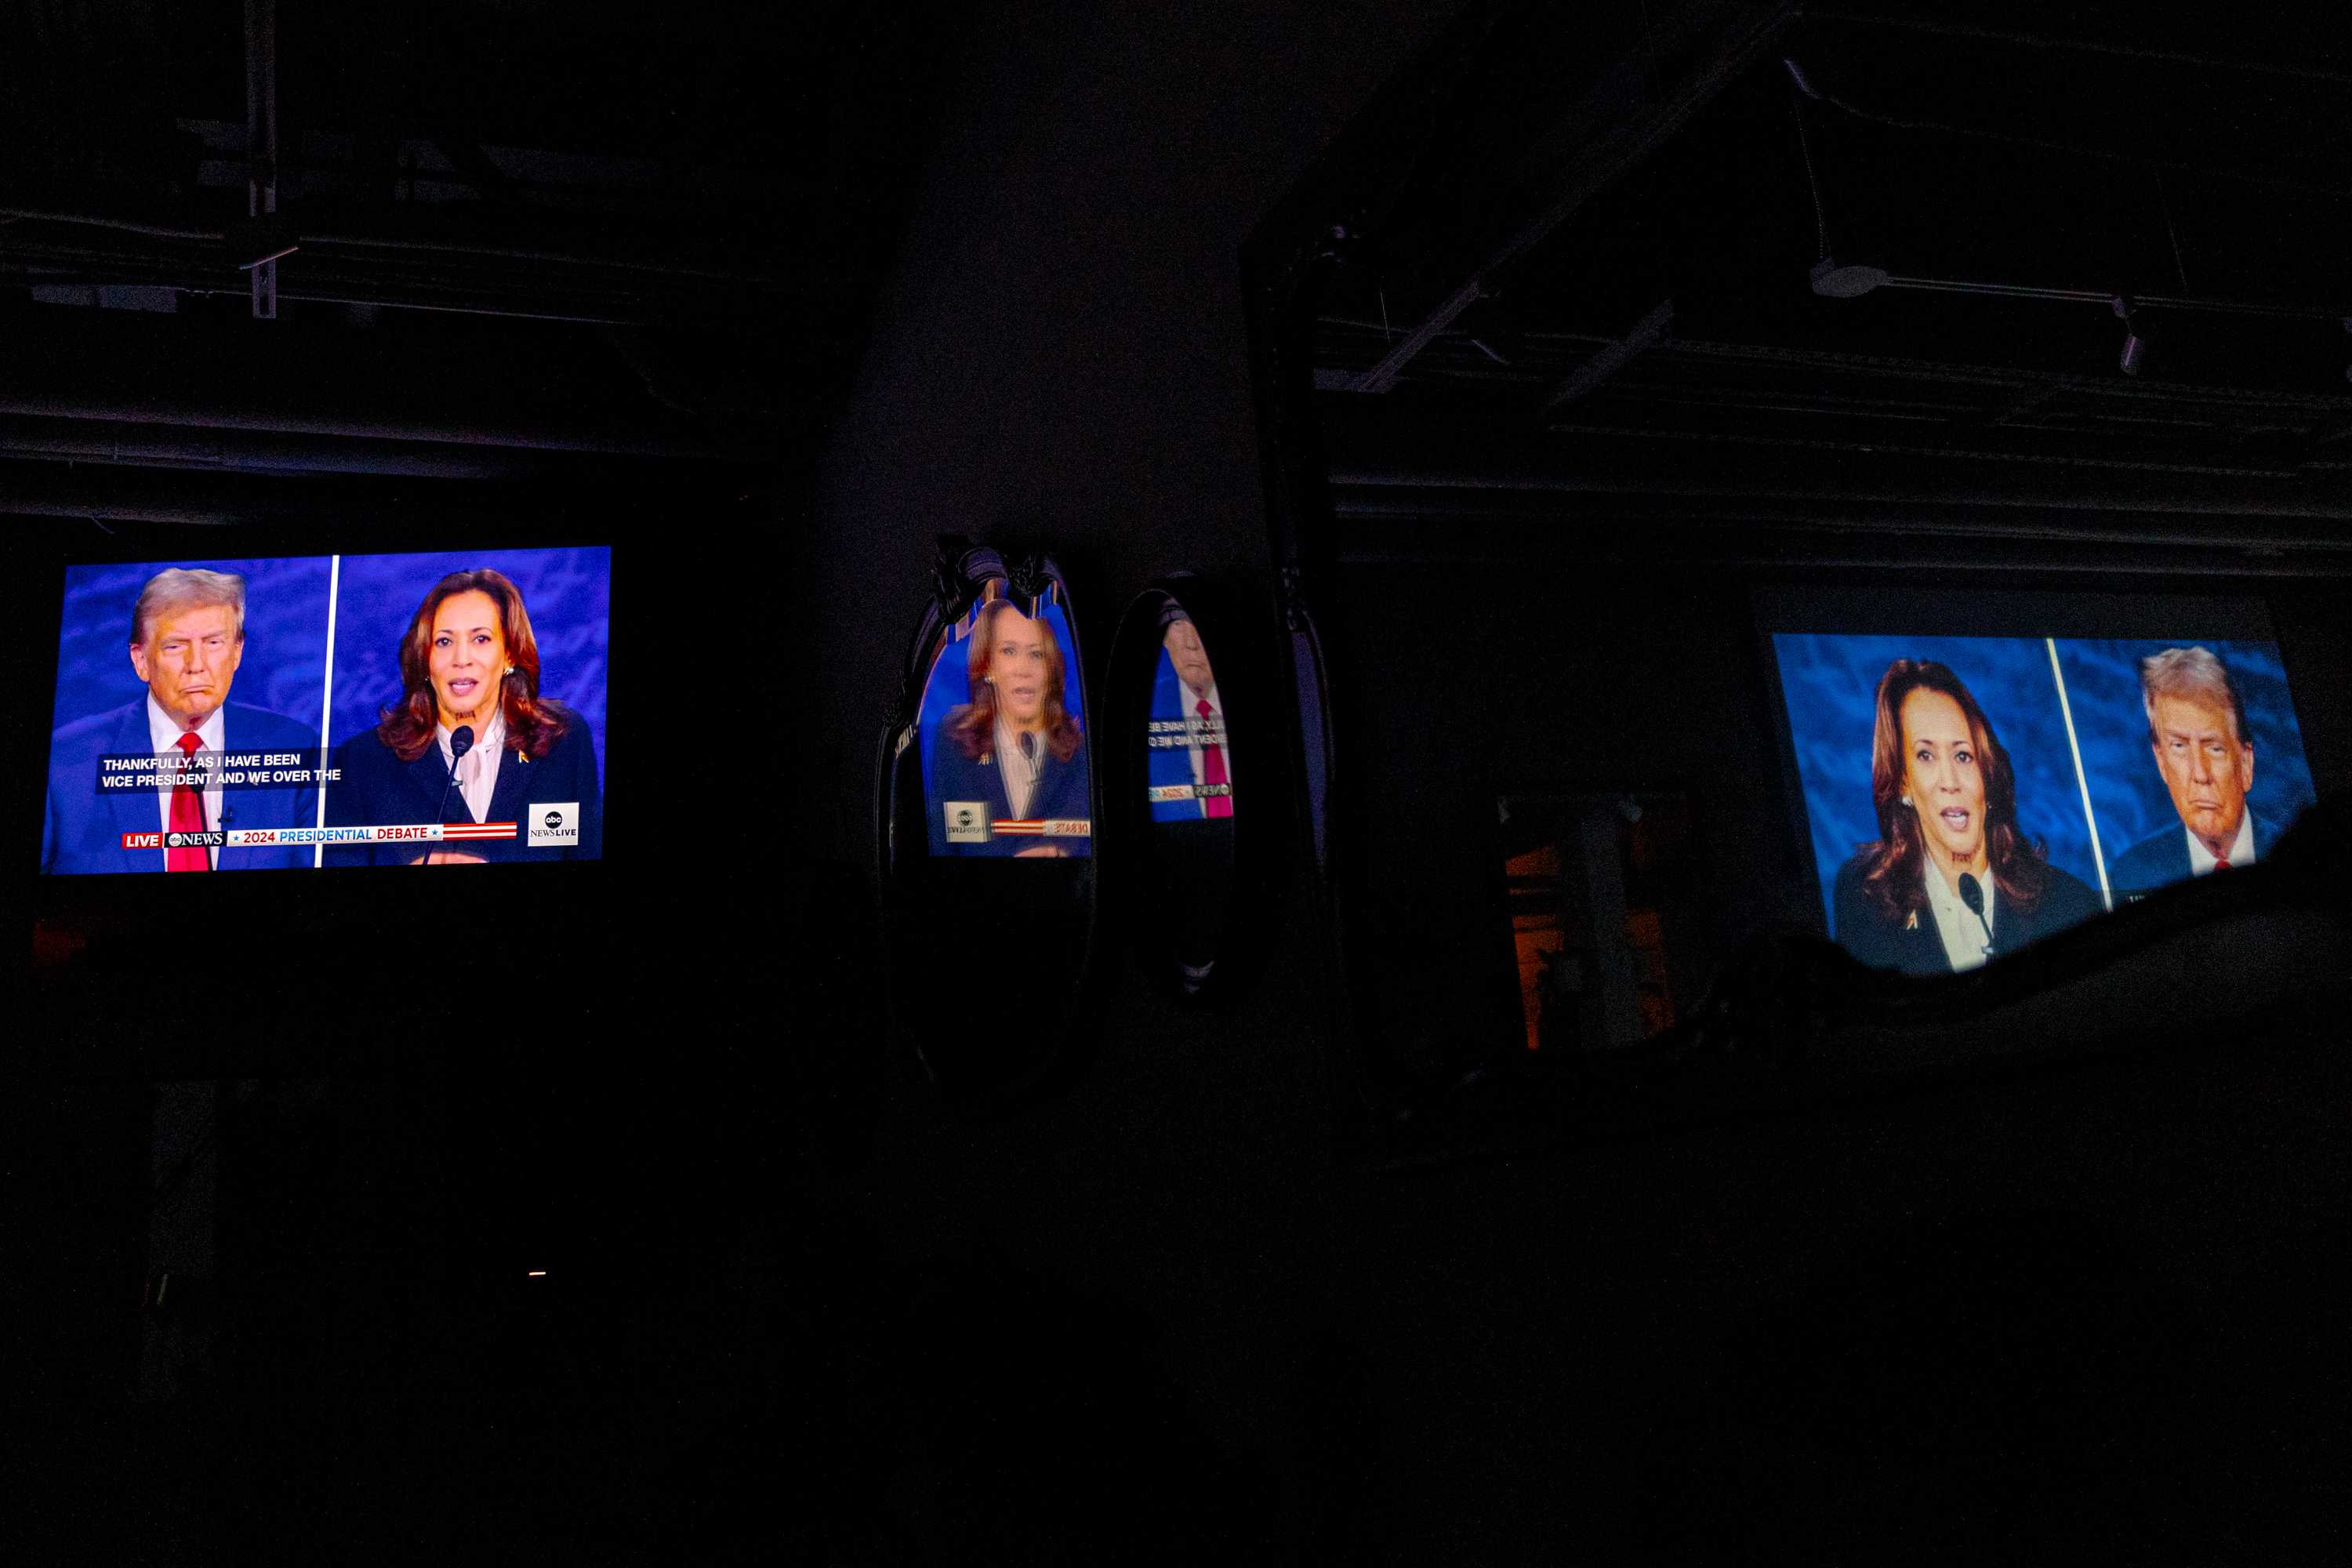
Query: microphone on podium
x,y
1972,895
461,741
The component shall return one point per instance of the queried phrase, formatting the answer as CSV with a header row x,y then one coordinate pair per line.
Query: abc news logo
x,y
555,825
175,840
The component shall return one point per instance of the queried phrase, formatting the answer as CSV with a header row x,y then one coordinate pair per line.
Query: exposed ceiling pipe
x,y
441,247
1664,109
260,452
702,443
1611,358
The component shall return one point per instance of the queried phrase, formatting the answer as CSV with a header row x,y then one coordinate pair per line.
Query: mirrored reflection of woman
x,y
469,661
1014,747
1952,879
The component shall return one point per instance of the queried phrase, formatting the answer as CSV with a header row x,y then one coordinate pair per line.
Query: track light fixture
x,y
1832,278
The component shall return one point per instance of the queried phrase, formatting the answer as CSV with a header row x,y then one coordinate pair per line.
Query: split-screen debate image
x,y
312,711
1968,795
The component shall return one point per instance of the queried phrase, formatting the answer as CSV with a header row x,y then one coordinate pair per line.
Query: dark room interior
x,y
1547,784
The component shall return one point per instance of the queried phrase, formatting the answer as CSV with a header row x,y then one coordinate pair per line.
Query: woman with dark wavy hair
x,y
1015,752
470,740
1952,879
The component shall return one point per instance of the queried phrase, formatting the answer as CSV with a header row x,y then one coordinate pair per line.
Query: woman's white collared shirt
x,y
1967,944
477,770
1020,768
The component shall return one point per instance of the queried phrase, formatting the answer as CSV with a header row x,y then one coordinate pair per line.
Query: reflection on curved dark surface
x,y
1005,765
1189,789
986,805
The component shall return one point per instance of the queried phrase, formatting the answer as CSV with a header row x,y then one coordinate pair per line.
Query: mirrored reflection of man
x,y
1189,769
2197,730
1186,693
188,639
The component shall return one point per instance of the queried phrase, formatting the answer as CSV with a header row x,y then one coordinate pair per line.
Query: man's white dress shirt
x,y
2241,852
1193,722
167,736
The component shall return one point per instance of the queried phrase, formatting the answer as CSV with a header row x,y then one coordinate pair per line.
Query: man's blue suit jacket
x,y
376,789
81,830
1171,701
2161,858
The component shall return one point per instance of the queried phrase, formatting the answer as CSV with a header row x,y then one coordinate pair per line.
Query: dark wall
x,y
1156,1312
1458,684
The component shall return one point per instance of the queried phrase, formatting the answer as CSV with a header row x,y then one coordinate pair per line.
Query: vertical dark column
x,y
261,137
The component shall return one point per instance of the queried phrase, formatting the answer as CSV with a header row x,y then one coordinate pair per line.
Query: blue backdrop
x,y
284,667
569,596
1830,684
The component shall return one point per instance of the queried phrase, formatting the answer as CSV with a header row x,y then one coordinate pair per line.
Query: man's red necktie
x,y
1213,768
2223,864
187,813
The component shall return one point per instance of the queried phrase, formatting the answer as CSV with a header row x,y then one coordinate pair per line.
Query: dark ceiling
x,y
1576,293
622,247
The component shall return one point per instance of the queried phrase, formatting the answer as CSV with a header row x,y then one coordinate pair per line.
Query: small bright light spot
x,y
537,1274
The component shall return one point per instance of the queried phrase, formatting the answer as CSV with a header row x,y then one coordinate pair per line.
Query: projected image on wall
x,y
310,712
1004,738
1968,796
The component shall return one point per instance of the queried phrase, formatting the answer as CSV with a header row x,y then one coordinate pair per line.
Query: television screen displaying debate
x,y
1002,728
330,710
1969,794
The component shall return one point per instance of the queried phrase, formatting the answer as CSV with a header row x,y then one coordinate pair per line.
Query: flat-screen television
x,y
315,712
1978,770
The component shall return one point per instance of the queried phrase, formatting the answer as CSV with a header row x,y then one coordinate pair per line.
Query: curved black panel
x,y
986,810
1197,795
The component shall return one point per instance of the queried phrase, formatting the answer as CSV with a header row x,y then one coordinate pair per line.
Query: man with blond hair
x,y
2197,730
156,785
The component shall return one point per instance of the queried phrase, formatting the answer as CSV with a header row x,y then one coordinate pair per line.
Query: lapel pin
x,y
1913,923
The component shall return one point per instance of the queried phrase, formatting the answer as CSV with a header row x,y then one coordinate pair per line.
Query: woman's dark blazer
x,y
1061,791
377,789
1919,948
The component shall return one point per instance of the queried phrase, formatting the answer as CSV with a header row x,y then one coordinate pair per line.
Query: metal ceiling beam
x,y
1611,358
701,443
1628,467
2151,395
1881,542
33,488
213,449
440,248
2080,45
1726,46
